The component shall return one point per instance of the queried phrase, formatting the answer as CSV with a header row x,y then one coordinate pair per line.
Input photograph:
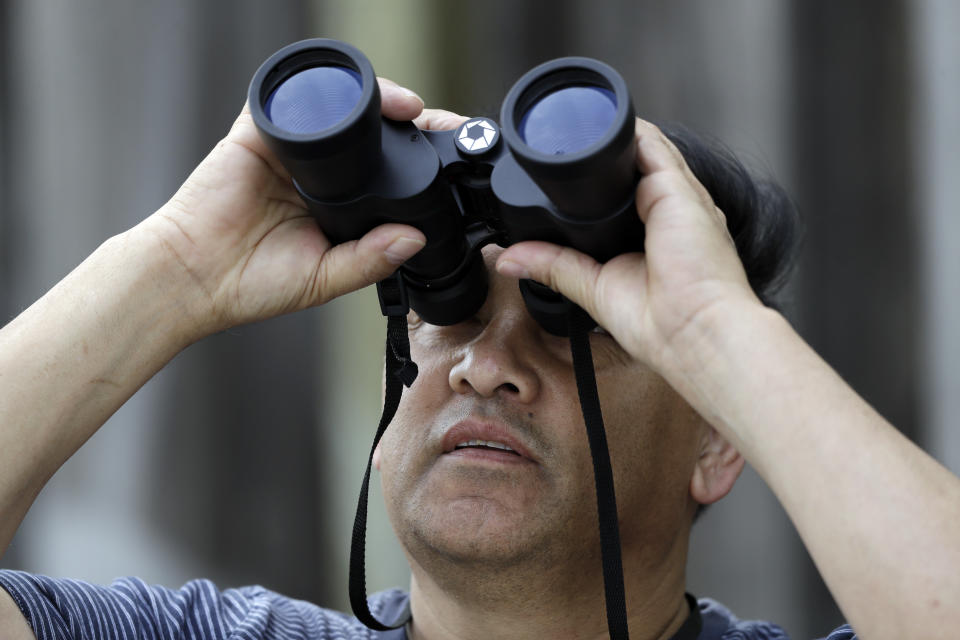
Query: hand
x,y
439,120
649,301
241,234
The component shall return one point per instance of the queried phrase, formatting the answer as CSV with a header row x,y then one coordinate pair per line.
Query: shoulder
x,y
719,623
131,608
843,633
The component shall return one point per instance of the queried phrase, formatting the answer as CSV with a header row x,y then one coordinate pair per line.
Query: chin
x,y
480,531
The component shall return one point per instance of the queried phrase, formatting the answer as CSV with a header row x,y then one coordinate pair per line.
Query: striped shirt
x,y
130,609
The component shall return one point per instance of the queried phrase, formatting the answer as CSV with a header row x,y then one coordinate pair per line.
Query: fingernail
x,y
387,85
512,269
401,249
411,94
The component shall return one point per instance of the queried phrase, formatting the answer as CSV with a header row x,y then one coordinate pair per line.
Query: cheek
x,y
398,470
422,402
420,406
652,438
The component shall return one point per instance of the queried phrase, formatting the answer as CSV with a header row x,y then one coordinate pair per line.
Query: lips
x,y
473,436
485,444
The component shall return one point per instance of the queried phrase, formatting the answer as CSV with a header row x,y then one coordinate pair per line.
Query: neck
x,y
565,600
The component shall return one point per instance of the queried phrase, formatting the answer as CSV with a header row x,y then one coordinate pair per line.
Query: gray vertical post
x,y
936,151
858,294
115,103
398,40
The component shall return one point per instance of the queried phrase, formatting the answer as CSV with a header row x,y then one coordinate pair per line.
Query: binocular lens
x,y
316,104
314,99
568,120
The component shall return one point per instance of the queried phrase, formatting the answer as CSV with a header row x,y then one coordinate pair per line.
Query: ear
x,y
717,469
376,457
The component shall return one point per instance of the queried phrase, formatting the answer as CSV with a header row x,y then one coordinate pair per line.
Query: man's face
x,y
498,380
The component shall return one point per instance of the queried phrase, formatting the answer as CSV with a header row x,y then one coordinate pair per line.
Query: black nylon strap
x,y
401,370
691,627
579,325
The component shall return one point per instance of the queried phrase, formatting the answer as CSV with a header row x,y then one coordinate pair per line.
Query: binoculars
x,y
560,166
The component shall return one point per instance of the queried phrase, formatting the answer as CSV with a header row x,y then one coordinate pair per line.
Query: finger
x,y
667,191
439,120
244,133
398,103
284,191
656,152
666,176
563,269
356,264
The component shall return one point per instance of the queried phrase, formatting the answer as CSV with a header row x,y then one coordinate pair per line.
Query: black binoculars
x,y
559,167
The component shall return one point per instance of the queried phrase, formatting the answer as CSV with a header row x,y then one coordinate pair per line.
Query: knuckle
x,y
563,262
320,287
721,216
665,182
645,126
370,267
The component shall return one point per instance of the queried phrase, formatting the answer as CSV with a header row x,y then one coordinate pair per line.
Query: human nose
x,y
500,360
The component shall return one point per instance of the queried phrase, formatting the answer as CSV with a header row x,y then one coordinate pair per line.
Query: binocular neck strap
x,y
401,370
579,326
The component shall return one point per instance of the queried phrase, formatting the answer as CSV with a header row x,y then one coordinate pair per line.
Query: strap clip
x,y
392,293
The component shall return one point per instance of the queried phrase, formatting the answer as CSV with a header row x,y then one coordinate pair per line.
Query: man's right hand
x,y
234,245
239,232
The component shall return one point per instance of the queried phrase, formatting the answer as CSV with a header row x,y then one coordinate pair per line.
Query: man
x,y
693,371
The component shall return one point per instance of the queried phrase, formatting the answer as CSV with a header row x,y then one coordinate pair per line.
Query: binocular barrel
x,y
565,174
570,124
318,109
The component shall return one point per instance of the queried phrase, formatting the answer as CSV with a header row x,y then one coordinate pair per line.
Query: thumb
x,y
353,265
565,270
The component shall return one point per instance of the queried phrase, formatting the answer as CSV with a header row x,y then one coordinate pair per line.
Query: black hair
x,y
760,216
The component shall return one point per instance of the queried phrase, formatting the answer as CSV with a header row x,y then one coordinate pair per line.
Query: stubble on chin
x,y
452,517
487,534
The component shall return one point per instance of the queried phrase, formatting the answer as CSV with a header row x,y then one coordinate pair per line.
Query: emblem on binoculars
x,y
477,135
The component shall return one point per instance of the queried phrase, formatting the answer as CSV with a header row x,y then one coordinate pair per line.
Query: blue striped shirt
x,y
130,609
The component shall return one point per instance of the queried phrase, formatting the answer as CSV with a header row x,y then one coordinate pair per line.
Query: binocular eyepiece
x,y
559,167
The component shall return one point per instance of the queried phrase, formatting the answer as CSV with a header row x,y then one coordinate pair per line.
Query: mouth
x,y
490,445
484,440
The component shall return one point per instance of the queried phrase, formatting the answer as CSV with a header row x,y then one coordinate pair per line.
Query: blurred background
x,y
241,461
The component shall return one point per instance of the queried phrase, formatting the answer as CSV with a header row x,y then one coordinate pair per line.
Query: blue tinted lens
x,y
315,99
568,120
